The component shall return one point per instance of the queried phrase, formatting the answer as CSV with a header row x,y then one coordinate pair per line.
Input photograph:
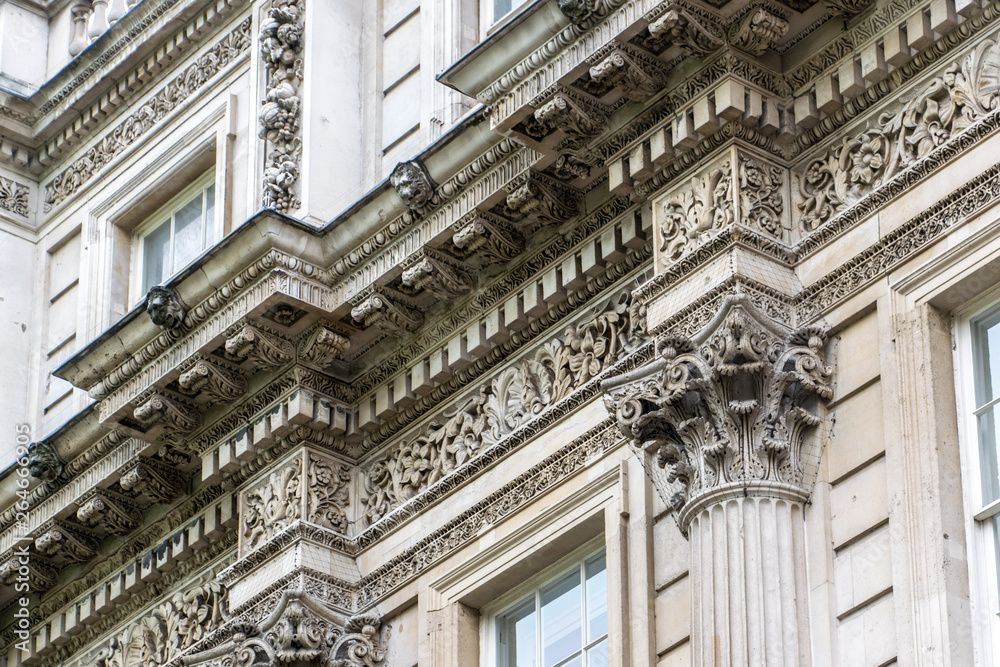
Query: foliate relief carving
x,y
488,239
726,410
327,488
677,26
636,78
964,93
149,114
271,506
44,462
541,201
112,511
563,113
40,573
511,399
209,379
585,11
435,273
14,197
323,347
412,183
395,319
60,540
759,31
761,201
568,167
280,114
169,629
158,482
848,7
266,350
691,216
165,307
174,415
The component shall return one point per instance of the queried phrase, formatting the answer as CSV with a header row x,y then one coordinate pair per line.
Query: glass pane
x,y
988,454
501,7
597,598
209,217
987,345
996,553
562,622
155,256
516,642
187,234
598,655
575,662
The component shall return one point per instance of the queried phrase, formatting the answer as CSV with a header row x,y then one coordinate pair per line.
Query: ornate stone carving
x,y
271,506
760,195
126,133
14,197
586,11
212,381
265,349
568,167
323,347
727,412
41,576
395,319
678,26
435,272
280,115
171,414
848,7
171,628
861,163
413,184
489,239
58,539
44,462
512,398
327,492
564,113
538,199
165,307
696,213
759,31
300,631
158,482
112,511
638,78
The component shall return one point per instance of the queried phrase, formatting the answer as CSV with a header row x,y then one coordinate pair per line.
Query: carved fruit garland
x,y
280,113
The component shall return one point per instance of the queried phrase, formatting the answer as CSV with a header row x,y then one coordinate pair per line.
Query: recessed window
x,y
175,235
503,7
563,623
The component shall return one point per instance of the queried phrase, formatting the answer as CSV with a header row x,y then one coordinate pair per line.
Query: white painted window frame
x,y
981,545
490,24
491,612
164,215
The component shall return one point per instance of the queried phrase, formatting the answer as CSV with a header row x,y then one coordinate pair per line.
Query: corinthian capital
x,y
726,413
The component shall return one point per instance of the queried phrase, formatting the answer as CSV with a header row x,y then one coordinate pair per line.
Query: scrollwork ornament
x,y
265,349
212,381
270,506
488,239
678,26
761,201
696,213
759,31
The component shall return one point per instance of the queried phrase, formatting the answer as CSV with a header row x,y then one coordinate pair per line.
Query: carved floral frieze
x,y
726,411
515,396
14,197
860,163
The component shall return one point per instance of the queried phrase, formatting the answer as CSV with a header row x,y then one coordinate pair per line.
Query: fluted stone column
x,y
719,422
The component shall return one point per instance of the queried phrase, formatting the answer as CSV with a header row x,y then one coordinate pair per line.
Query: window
x,y
981,404
563,623
175,235
501,8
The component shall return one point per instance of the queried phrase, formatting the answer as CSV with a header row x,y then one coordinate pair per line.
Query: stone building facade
x,y
499,333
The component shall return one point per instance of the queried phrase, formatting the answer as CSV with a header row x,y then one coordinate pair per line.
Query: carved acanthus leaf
x,y
583,12
435,272
158,482
568,167
394,318
323,347
174,415
211,380
270,506
637,78
696,213
848,7
761,201
59,540
680,27
488,239
327,492
563,113
541,200
114,512
759,31
23,565
728,409
266,350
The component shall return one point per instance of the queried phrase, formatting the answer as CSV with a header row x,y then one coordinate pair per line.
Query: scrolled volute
x,y
726,412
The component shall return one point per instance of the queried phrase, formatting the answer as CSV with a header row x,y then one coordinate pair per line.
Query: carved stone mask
x,y
44,462
165,307
412,183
